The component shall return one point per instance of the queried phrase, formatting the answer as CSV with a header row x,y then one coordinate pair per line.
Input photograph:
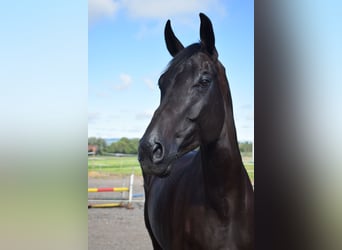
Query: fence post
x,y
130,194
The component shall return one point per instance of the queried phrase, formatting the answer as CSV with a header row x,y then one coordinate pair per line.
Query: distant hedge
x,y
124,145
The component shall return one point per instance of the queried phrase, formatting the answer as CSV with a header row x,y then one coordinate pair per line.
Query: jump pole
x,y
107,205
115,189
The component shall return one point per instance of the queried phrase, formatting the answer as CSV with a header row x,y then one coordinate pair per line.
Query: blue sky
x,y
127,54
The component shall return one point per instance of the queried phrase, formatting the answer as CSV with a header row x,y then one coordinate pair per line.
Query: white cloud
x,y
149,83
98,9
117,123
246,106
145,115
125,82
102,94
155,9
93,117
162,9
250,117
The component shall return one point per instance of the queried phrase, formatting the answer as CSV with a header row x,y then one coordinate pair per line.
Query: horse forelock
x,y
183,55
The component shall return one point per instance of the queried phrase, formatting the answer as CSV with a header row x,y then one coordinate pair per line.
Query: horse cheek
x,y
211,125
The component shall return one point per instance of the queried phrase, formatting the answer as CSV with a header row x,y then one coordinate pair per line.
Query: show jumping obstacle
x,y
118,203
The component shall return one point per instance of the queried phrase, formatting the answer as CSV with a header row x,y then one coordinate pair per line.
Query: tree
x,y
99,142
124,146
245,146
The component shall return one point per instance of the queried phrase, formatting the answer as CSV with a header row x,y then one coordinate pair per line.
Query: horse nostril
x,y
157,152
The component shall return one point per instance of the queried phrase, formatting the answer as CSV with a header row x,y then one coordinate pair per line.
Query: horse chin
x,y
166,172
160,171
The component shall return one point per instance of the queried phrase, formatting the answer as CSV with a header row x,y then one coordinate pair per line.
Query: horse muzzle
x,y
153,158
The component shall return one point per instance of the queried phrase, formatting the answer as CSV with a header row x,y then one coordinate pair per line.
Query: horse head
x,y
192,110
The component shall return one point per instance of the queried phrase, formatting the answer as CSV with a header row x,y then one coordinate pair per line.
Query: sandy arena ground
x,y
116,228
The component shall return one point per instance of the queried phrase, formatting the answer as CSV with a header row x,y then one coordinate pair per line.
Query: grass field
x,y
129,164
114,165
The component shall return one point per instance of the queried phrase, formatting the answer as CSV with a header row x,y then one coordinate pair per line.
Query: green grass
x,y
250,170
129,164
114,165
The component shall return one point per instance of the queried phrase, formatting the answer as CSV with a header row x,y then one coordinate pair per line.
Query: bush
x,y
124,146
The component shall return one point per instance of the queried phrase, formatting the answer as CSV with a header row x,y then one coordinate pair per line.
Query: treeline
x,y
130,146
245,147
123,146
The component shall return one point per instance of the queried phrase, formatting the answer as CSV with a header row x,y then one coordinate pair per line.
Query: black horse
x,y
205,200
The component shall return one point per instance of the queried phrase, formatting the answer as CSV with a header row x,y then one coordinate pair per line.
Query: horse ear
x,y
207,34
172,43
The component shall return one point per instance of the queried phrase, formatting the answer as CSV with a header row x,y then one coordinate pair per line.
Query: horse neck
x,y
221,160
225,178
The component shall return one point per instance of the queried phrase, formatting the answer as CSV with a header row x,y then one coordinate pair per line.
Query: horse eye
x,y
204,81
